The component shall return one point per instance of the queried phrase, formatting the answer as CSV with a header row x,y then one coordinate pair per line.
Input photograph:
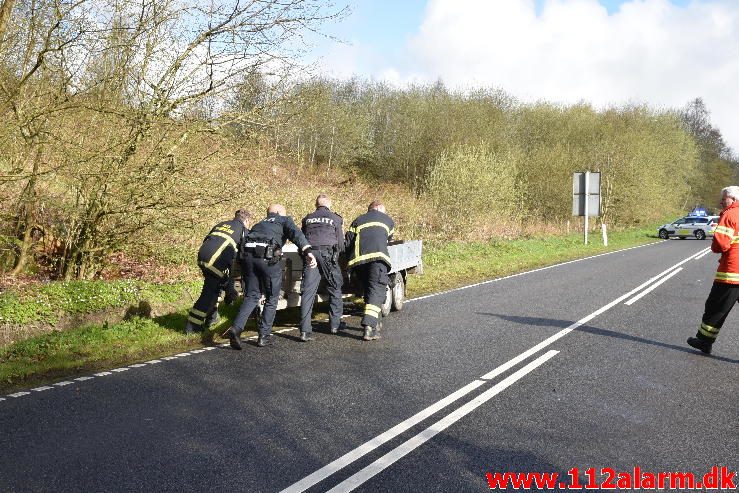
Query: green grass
x,y
450,265
48,302
80,351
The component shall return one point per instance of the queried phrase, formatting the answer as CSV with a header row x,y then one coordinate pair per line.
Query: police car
x,y
696,226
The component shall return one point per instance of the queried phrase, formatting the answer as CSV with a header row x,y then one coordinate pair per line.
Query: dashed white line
x,y
41,389
169,358
137,365
62,384
102,374
119,370
83,379
182,355
153,362
19,394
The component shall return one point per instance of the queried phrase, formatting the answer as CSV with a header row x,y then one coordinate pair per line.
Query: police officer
x,y
215,257
369,261
323,230
262,251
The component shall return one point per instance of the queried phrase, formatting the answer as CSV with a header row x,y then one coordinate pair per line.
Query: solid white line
x,y
527,272
651,288
360,451
407,447
704,254
371,445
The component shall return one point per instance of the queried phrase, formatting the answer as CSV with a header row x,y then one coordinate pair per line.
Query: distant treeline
x,y
481,155
128,127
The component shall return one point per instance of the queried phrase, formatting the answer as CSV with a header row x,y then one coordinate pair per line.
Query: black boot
x,y
233,338
700,344
265,340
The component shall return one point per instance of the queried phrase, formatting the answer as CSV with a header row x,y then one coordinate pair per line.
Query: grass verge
x,y
51,356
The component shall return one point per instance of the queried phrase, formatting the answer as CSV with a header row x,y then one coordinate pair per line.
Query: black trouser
x,y
204,308
259,278
721,300
374,280
329,270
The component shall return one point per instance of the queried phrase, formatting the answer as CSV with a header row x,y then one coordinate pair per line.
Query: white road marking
x,y
2,399
103,373
182,355
19,394
169,358
119,370
82,379
153,362
704,254
137,365
41,389
652,287
410,445
369,446
197,351
209,348
62,384
527,272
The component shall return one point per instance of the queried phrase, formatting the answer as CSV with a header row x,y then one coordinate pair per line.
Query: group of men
x,y
320,240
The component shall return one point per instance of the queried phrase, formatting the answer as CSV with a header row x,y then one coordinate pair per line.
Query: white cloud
x,y
650,51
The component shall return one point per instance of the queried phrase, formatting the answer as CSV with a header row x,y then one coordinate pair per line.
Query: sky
x,y
663,53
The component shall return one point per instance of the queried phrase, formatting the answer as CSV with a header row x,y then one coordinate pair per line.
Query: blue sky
x,y
663,53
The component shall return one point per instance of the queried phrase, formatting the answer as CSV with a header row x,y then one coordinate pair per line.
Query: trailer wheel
x,y
388,303
398,292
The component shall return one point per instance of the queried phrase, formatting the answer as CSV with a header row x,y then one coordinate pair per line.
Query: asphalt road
x,y
541,372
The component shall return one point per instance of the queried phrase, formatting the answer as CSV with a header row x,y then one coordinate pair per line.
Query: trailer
x,y
405,257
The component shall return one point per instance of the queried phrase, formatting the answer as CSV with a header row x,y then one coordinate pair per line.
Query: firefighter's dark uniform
x,y
215,257
369,261
324,231
725,290
262,270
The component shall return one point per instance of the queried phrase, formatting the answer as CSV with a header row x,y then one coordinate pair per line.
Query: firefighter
x,y
323,229
725,291
262,269
215,257
369,262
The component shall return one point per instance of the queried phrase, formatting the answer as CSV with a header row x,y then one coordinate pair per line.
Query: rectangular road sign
x,y
579,196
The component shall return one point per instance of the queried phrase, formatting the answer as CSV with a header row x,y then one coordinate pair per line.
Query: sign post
x,y
586,197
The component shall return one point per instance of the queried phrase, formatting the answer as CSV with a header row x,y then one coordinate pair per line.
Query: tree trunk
x,y
27,216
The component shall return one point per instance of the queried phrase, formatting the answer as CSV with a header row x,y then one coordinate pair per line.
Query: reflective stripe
x,y
369,256
198,313
226,237
727,276
254,245
723,230
708,331
368,225
372,310
213,269
197,321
